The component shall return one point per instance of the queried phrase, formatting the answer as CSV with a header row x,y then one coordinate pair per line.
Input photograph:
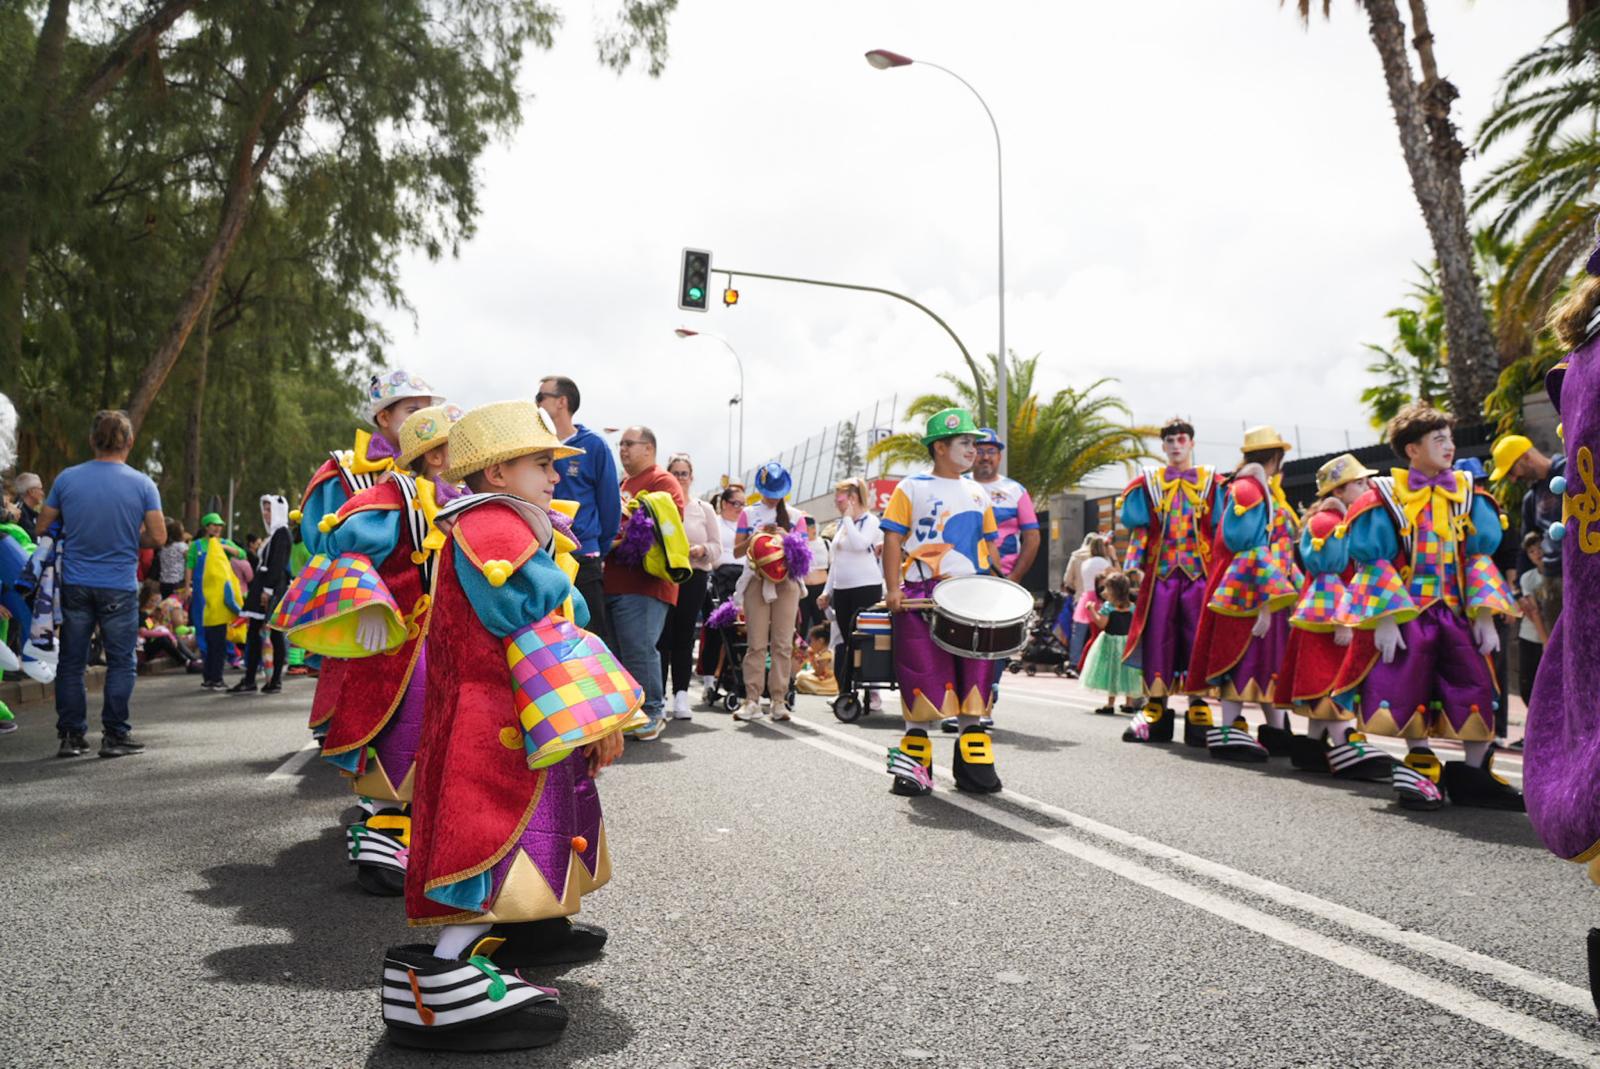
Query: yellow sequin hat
x,y
500,431
1263,437
425,429
1342,469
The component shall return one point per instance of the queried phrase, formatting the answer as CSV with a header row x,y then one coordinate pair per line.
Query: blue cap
x,y
773,482
987,436
1474,467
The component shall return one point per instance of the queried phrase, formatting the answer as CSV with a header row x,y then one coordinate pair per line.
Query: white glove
x,y
372,632
1387,639
1263,623
1486,633
1342,636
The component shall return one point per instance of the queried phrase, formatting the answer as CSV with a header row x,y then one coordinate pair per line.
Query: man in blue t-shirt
x,y
591,480
107,511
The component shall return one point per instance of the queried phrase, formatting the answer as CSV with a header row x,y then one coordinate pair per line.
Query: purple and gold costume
x,y
1168,514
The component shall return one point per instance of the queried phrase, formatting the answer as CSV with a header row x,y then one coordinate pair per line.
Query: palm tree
x,y
1413,369
1050,445
1433,156
1547,190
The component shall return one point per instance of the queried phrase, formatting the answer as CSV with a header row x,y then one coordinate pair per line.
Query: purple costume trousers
x,y
397,743
1176,602
1439,686
935,683
1251,680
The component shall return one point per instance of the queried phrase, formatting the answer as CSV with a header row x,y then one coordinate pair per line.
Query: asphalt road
x,y
773,905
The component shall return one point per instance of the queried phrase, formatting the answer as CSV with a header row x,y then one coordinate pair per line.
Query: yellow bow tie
x,y
1412,502
1170,490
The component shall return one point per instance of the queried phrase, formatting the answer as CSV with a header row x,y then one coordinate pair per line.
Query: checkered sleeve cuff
x,y
1376,592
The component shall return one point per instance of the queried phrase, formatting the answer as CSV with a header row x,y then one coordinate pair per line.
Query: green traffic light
x,y
696,293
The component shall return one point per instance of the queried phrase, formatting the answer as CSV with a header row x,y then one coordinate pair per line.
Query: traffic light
x,y
730,297
694,282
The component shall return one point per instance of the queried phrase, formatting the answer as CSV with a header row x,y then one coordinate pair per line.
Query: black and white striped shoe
x,y
1235,743
1356,758
1414,788
379,847
440,1004
531,944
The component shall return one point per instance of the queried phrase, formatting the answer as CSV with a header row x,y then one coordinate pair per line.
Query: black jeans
x,y
216,651
1529,653
677,634
847,604
810,615
252,652
591,584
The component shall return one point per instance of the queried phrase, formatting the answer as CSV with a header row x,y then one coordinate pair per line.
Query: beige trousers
x,y
769,625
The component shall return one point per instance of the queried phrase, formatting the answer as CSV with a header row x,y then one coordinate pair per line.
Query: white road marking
x,y
291,768
1548,988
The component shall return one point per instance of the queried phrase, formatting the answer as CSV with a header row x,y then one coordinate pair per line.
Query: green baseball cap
x,y
210,518
950,423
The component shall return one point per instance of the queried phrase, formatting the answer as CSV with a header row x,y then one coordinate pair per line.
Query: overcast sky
x,y
1203,199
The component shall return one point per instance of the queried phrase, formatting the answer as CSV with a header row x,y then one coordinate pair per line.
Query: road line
x,y
291,768
1545,987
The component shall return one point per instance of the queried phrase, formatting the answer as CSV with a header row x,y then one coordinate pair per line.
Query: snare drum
x,y
980,616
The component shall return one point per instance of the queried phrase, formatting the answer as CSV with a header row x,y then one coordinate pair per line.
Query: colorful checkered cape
x,y
320,608
570,690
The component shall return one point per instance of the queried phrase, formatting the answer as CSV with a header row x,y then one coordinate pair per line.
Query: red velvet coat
x,y
1312,658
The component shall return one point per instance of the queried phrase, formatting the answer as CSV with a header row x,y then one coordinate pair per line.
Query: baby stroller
x,y
726,689
872,647
1044,649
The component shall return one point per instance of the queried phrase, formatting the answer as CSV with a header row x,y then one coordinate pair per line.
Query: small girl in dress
x,y
1104,669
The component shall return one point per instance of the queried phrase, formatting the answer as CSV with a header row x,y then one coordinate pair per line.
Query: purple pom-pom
x,y
638,535
723,615
562,523
797,555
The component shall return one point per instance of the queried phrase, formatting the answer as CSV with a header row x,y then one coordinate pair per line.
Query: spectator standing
x,y
1515,457
108,510
267,584
590,479
812,612
1532,633
855,577
637,602
29,493
1096,564
703,529
771,607
172,558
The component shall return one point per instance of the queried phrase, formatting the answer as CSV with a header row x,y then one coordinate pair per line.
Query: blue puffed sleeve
x,y
1136,508
1371,537
530,593
1332,558
374,534
1487,532
1248,531
327,498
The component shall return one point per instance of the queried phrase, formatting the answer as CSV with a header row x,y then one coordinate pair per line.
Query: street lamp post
x,y
685,332
882,59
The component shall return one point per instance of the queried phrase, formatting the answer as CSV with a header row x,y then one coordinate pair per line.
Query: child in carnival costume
x,y
391,397
1317,643
1168,515
217,595
383,544
523,709
937,526
1253,578
1561,750
1422,604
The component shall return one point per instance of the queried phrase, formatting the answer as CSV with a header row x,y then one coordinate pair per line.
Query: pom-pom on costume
x,y
1561,751
1168,515
1244,631
380,553
947,529
1421,545
507,834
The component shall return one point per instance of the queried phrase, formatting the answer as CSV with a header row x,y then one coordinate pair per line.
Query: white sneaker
x,y
750,712
875,701
680,706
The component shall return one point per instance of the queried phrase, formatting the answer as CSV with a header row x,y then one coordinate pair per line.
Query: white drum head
x,y
983,599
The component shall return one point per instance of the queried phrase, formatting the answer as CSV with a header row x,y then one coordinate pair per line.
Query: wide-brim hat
x,y
211,517
387,387
950,423
1508,449
503,430
425,429
773,481
1342,469
1263,437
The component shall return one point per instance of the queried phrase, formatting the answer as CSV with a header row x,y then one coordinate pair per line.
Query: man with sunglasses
x,y
590,479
